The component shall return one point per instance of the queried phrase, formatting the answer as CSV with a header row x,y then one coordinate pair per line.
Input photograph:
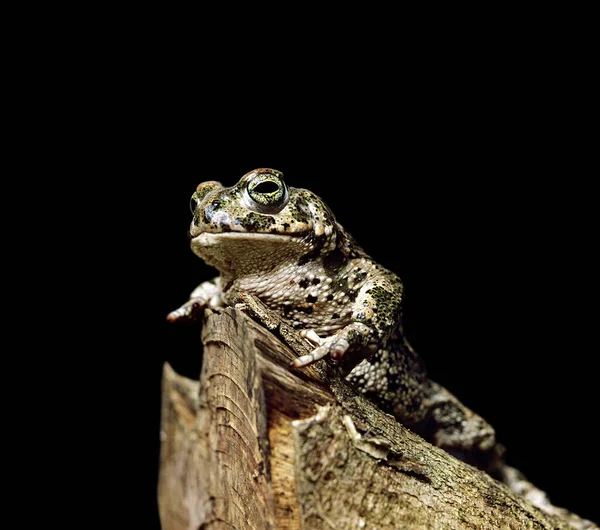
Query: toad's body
x,y
284,246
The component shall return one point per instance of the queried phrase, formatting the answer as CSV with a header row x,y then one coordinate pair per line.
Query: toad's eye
x,y
267,192
266,187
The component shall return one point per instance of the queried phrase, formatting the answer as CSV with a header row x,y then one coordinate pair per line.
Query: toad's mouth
x,y
208,239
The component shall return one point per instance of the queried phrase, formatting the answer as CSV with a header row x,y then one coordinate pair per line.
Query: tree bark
x,y
255,445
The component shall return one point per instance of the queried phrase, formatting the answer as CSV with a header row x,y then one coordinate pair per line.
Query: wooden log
x,y
214,454
255,445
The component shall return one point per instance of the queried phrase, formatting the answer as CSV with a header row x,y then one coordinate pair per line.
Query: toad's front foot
x,y
207,294
333,346
190,311
353,337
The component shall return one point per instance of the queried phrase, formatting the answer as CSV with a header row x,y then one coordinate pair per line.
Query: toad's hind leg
x,y
395,379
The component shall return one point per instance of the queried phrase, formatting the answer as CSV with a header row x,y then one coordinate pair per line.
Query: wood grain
x,y
254,445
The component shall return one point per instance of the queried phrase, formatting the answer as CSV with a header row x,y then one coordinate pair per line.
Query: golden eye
x,y
266,187
267,192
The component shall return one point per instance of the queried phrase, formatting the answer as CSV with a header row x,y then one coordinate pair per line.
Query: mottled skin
x,y
284,246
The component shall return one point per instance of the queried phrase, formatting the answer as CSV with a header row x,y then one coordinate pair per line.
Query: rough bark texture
x,y
254,445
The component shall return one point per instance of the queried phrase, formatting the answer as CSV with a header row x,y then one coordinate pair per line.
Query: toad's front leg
x,y
375,316
206,295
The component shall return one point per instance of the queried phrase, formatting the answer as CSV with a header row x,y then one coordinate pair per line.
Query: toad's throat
x,y
244,253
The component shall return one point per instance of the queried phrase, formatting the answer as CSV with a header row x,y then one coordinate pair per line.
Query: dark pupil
x,y
267,186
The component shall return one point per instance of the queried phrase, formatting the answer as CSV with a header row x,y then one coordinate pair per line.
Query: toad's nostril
x,y
204,188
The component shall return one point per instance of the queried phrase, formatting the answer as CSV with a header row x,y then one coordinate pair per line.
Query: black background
x,y
498,276
458,157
